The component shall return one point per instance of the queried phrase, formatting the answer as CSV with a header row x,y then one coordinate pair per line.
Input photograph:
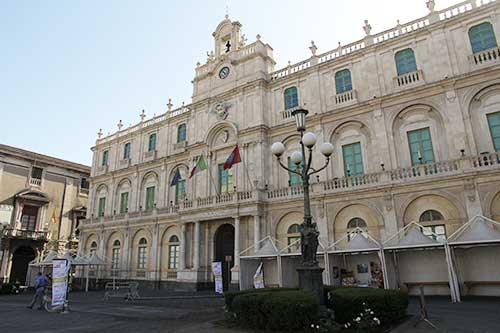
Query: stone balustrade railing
x,y
485,57
421,172
345,97
25,234
408,79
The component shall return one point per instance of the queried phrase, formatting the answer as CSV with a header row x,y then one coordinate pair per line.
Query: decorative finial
x,y
367,28
198,64
258,37
339,48
243,40
313,48
142,115
169,104
430,5
289,63
120,125
227,13
99,134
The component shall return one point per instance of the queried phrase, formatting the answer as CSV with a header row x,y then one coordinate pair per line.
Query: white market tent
x,y
269,255
359,253
291,259
475,253
419,260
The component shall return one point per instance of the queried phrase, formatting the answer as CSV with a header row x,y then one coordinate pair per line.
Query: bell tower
x,y
226,36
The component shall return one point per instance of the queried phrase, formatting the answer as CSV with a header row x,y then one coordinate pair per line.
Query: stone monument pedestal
x,y
311,279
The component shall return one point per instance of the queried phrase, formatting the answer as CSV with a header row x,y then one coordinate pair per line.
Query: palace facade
x,y
413,113
42,201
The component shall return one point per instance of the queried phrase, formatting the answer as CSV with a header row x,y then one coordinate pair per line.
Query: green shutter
x,y
152,142
294,179
343,81
291,98
482,37
126,151
405,62
420,143
353,159
181,133
150,197
124,203
180,189
494,124
105,158
102,206
225,179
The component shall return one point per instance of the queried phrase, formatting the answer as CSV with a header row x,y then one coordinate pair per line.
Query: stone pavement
x,y
89,313
472,315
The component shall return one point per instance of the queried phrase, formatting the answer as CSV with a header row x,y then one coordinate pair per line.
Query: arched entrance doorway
x,y
224,250
20,261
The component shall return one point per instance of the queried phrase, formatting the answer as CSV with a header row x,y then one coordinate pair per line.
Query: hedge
x,y
276,310
7,288
347,302
229,296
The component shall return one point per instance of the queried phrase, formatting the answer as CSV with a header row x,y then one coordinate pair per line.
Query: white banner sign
x,y
6,212
258,278
60,269
217,271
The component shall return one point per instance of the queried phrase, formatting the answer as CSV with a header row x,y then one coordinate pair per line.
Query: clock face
x,y
224,72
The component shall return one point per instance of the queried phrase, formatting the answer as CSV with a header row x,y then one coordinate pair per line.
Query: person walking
x,y
40,285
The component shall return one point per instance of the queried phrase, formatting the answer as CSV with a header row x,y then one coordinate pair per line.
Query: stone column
x,y
182,254
196,256
256,232
237,241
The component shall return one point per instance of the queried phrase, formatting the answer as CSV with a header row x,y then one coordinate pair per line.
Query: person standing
x,y
40,286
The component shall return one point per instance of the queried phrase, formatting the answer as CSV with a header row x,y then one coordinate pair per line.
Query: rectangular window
x,y
353,159
29,217
126,151
84,183
115,258
102,207
36,173
141,257
293,178
181,133
124,203
405,62
436,232
420,146
152,142
482,37
180,190
494,124
173,256
294,243
343,81
104,161
225,179
291,98
150,197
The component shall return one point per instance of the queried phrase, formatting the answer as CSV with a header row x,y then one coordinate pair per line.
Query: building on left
x,y
42,200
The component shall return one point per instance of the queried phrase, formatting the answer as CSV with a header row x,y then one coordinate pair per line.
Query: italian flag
x,y
200,166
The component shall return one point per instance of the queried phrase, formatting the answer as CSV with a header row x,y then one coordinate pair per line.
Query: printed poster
x,y
258,278
217,271
60,269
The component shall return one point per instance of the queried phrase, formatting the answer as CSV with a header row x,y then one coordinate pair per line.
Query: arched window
x,y
291,98
115,255
435,231
482,37
181,133
126,150
354,223
142,254
494,125
93,248
343,81
431,215
293,238
152,142
173,253
405,61
293,178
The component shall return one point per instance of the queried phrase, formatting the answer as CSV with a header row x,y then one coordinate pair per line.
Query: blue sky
x,y
68,68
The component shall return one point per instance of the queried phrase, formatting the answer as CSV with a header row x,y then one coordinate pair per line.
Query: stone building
x,y
42,201
413,113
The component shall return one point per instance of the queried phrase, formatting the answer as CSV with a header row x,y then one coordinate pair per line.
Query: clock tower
x,y
232,62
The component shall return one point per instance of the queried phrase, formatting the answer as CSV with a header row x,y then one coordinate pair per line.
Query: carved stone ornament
x,y
220,109
225,136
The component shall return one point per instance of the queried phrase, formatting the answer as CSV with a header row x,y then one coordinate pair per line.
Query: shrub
x,y
7,288
347,302
280,310
229,296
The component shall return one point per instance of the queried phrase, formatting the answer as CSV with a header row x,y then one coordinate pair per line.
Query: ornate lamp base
x,y
311,279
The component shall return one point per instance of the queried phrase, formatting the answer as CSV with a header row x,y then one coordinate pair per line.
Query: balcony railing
x,y
35,181
25,234
409,79
486,57
416,173
345,97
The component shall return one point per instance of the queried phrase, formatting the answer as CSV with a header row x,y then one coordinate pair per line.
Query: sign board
x,y
6,212
228,258
60,268
217,271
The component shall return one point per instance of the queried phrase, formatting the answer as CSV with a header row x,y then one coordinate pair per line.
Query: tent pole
x,y
327,268
384,268
450,277
280,272
396,269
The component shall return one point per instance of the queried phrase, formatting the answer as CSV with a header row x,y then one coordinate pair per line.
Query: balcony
x,y
374,181
409,79
35,182
25,234
485,58
345,98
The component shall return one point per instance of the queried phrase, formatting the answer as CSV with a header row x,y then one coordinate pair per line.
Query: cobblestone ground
x,y
90,313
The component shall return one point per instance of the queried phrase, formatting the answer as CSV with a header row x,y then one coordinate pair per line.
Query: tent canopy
x,y
479,229
411,236
287,251
268,248
357,240
96,260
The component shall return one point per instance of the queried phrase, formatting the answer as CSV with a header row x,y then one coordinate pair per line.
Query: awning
x,y
479,230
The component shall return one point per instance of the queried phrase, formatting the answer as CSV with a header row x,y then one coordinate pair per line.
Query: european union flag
x,y
176,178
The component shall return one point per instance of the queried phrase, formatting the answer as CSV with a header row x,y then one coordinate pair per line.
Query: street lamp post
x,y
310,274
